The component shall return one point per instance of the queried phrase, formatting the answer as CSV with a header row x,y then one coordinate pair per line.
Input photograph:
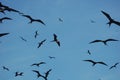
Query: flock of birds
x,y
4,8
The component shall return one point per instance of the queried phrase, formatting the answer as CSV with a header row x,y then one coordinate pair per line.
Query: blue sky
x,y
74,33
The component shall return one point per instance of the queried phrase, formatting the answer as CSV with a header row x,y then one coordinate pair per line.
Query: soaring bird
x,y
94,62
18,74
89,52
33,20
104,41
23,39
56,40
38,64
46,74
4,18
3,34
5,68
114,66
36,34
110,19
60,19
38,73
40,43
51,57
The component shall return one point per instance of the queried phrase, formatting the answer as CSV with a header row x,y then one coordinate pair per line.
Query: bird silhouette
x,y
56,40
103,41
46,74
60,19
41,43
23,39
51,57
36,34
89,52
38,73
110,19
114,66
5,68
3,34
38,64
6,8
4,18
33,20
94,62
18,74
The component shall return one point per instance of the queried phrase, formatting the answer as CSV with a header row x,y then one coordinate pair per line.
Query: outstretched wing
x,y
55,37
89,61
102,63
27,16
95,41
107,15
112,40
40,21
3,34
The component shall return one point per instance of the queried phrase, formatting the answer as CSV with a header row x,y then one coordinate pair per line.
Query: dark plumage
x,y
104,41
38,73
5,68
51,57
38,64
89,52
40,43
3,34
60,19
114,66
18,74
4,18
110,19
56,40
46,74
23,39
36,34
94,63
33,20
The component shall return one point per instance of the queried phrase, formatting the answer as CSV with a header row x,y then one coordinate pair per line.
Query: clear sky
x,y
74,34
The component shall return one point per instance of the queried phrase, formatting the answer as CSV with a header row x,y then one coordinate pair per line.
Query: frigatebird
x,y
114,66
46,74
38,73
4,18
18,74
23,39
94,62
89,52
103,41
5,68
3,34
38,64
36,34
110,19
40,43
33,20
56,40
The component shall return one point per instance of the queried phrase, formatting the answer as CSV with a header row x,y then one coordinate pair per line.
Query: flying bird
x,y
36,34
56,40
94,63
33,20
18,74
5,68
38,64
46,74
103,41
4,18
60,19
51,57
3,34
38,73
89,52
110,19
40,43
114,66
23,39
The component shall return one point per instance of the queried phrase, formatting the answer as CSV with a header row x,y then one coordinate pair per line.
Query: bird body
x,y
40,43
89,52
38,64
5,68
18,74
36,34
